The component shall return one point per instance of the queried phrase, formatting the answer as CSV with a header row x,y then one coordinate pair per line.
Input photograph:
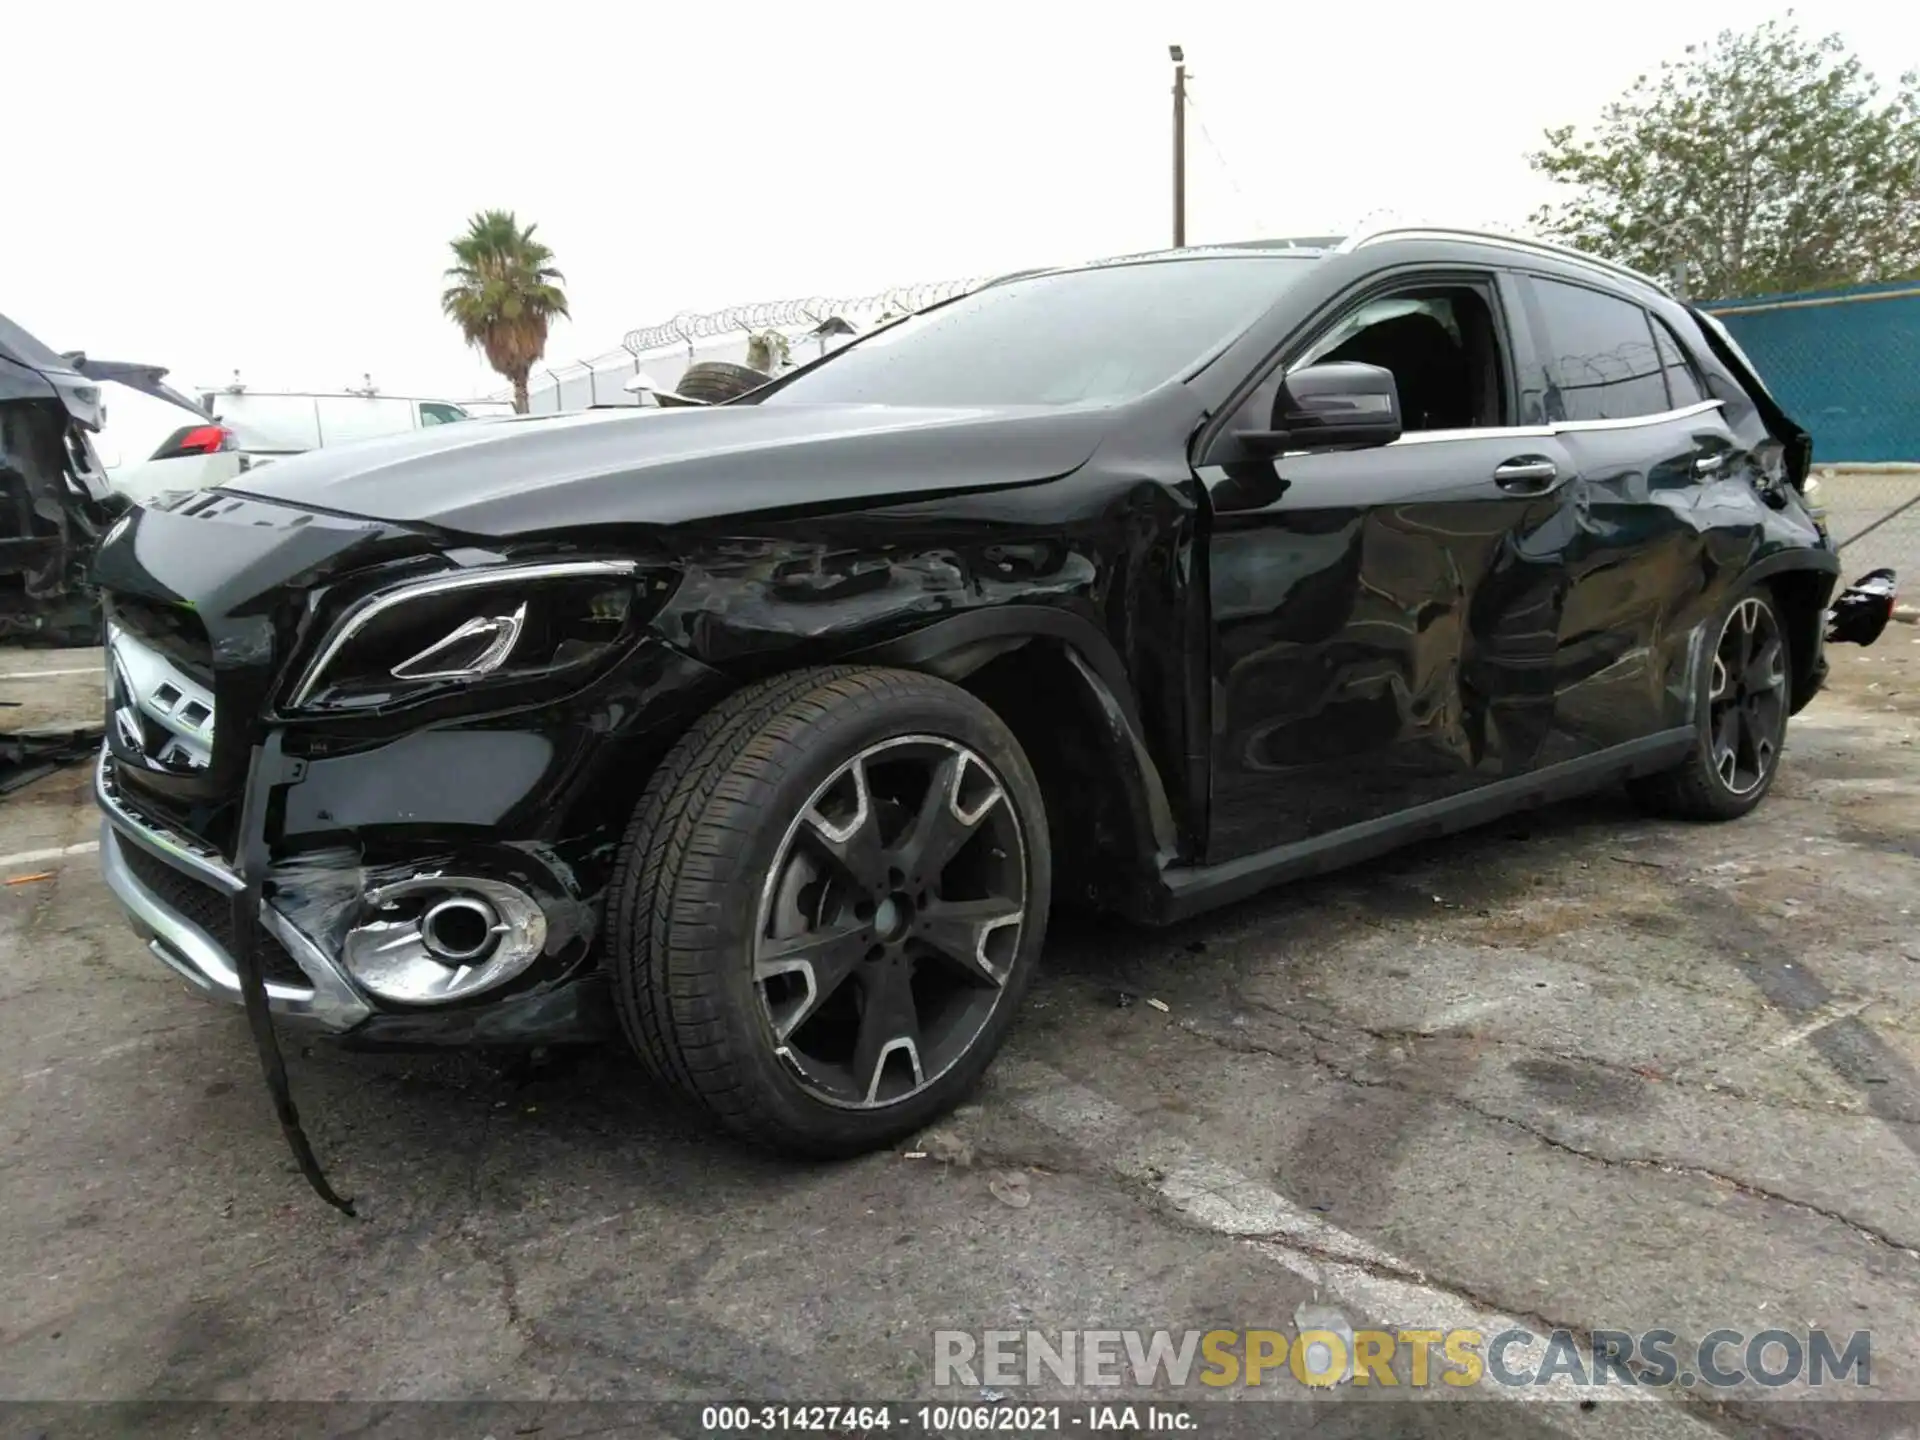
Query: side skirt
x,y
1189,889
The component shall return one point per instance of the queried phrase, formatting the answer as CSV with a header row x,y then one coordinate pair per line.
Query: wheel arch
x,y
1056,681
1801,583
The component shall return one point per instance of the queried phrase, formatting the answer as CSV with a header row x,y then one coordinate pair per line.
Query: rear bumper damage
x,y
1861,611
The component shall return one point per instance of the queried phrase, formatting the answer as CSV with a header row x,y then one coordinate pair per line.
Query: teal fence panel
x,y
1844,363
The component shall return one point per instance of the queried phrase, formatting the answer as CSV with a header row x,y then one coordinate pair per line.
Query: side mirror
x,y
1339,405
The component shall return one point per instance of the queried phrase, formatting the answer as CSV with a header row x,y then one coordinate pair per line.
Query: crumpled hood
x,y
676,466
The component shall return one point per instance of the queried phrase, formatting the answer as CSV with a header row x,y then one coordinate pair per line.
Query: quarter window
x,y
1601,363
1683,383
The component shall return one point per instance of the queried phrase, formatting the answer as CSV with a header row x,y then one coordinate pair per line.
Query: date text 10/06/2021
x,y
945,1419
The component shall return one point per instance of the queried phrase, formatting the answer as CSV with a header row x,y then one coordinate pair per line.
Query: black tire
x,y
1708,784
694,885
716,380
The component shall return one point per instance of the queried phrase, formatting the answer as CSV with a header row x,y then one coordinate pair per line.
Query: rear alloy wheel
x,y
1747,698
1743,721
829,904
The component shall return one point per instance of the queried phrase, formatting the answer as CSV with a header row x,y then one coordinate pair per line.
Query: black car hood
x,y
677,466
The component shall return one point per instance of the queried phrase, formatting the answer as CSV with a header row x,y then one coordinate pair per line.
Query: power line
x,y
1233,180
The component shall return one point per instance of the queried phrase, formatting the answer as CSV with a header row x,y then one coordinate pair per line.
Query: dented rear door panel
x,y
1640,575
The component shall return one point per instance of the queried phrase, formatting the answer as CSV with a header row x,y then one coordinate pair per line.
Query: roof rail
x,y
1494,237
1279,245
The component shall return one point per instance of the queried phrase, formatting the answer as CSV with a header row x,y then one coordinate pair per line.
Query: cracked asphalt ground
x,y
1579,1069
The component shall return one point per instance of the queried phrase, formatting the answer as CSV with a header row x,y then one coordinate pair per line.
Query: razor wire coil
x,y
756,316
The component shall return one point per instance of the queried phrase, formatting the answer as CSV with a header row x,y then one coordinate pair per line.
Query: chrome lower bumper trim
x,y
329,1003
200,861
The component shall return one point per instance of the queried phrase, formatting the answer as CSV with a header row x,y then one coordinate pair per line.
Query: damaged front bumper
x,y
175,893
178,895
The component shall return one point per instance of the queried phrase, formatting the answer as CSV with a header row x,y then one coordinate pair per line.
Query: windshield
x,y
1092,337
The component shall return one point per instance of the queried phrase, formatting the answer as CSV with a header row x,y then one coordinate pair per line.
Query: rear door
x,y
1649,450
1383,629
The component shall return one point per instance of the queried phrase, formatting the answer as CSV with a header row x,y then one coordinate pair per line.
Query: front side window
x,y
1599,354
1097,336
434,412
1442,345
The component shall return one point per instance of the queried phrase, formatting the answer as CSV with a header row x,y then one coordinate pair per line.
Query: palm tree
x,y
505,293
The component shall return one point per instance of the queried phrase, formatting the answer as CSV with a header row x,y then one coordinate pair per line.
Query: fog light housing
x,y
440,938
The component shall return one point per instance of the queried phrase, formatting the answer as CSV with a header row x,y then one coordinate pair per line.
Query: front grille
x,y
175,631
205,829
211,910
162,712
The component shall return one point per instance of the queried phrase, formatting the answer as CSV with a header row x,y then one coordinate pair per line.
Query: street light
x,y
1179,57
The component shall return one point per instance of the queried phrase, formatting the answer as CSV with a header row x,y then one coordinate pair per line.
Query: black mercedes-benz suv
x,y
768,732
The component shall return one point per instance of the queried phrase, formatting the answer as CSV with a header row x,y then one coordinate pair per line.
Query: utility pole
x,y
1179,57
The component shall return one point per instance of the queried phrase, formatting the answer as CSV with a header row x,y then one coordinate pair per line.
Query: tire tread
x,y
676,868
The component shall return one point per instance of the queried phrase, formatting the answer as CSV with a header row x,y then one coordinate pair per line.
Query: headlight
x,y
516,622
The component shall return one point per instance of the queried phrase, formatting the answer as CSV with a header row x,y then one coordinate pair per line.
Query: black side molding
x,y
1190,889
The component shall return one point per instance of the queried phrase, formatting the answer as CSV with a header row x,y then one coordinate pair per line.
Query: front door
x,y
1384,620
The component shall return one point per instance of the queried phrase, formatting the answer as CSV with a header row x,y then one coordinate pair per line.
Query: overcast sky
x,y
271,186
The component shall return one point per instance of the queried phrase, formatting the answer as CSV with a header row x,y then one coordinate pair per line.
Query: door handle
x,y
1527,474
1710,464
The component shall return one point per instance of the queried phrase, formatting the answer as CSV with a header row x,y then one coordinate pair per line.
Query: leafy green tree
x,y
1765,161
505,294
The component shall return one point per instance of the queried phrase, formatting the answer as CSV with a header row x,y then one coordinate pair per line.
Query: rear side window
x,y
1683,382
1599,354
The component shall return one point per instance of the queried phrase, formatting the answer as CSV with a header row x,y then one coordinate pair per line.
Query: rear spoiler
x,y
1795,442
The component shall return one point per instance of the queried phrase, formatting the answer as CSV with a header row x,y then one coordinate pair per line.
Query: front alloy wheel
x,y
890,920
828,905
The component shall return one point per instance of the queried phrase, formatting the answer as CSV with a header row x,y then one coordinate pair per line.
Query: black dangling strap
x,y
264,774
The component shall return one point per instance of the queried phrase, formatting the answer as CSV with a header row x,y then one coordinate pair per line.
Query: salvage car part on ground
x,y
25,758
768,735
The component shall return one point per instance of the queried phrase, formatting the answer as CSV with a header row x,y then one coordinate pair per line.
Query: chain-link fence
x,y
1875,516
1846,364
